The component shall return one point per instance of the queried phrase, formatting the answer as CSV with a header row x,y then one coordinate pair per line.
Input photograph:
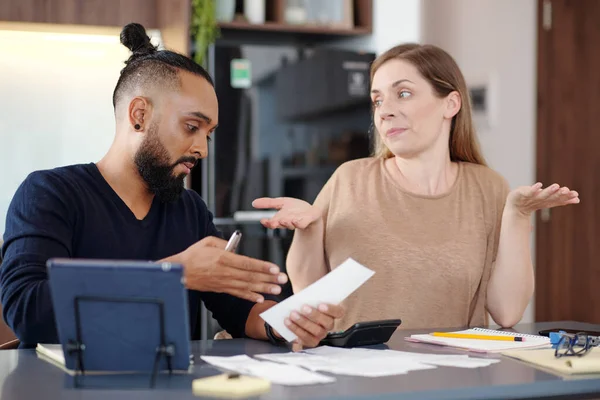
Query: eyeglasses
x,y
576,345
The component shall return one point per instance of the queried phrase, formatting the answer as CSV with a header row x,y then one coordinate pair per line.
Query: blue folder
x,y
119,310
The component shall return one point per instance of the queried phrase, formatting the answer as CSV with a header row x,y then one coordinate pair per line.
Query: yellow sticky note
x,y
587,364
230,386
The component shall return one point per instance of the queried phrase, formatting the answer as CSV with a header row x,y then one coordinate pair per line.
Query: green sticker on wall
x,y
240,73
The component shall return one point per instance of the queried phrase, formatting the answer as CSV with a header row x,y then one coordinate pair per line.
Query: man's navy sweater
x,y
73,212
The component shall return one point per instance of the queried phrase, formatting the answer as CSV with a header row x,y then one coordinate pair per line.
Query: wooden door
x,y
568,152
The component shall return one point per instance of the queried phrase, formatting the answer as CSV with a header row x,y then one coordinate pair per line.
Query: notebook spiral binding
x,y
506,333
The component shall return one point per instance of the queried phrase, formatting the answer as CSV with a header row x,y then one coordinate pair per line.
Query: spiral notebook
x,y
483,345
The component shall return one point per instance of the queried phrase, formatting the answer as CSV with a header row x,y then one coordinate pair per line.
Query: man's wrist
x,y
255,324
273,336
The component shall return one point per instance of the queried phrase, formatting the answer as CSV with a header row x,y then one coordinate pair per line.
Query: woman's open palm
x,y
527,199
292,213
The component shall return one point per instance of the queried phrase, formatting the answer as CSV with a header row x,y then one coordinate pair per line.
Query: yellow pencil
x,y
482,337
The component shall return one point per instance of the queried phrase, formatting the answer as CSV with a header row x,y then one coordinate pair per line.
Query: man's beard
x,y
152,161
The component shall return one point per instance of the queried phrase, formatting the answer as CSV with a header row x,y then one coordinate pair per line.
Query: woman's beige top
x,y
432,255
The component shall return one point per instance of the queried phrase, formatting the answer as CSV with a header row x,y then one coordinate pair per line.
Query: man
x,y
132,205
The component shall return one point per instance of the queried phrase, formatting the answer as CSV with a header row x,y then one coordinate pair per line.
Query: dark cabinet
x,y
324,83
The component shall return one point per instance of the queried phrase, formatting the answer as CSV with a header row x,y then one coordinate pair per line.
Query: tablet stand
x,y
78,347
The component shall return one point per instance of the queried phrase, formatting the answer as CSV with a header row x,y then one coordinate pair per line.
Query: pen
x,y
482,337
233,242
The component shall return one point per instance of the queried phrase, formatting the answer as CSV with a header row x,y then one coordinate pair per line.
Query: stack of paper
x,y
52,352
372,363
273,372
301,368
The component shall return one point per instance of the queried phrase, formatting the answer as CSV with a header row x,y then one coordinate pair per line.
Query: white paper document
x,y
372,363
302,368
370,367
392,356
276,373
333,288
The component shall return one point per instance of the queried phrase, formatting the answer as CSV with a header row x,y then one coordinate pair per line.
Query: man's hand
x,y
209,268
311,325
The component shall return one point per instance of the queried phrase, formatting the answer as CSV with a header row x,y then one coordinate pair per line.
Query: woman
x,y
444,235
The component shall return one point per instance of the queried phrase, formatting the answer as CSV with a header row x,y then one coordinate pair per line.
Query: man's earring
x,y
137,127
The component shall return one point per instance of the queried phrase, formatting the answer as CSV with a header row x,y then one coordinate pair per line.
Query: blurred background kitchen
x,y
292,78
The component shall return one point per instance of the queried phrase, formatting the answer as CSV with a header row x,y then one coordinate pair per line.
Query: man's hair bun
x,y
134,37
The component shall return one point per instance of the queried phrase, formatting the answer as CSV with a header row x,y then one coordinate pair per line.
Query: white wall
x,y
55,100
394,22
495,41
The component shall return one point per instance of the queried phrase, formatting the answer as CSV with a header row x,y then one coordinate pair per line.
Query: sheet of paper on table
x,y
372,363
274,372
